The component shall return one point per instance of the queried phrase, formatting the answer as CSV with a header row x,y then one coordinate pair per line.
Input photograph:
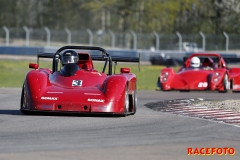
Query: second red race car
x,y
201,71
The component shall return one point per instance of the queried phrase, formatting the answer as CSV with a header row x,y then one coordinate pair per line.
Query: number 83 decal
x,y
202,84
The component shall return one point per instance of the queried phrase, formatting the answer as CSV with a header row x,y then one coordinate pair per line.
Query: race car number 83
x,y
202,84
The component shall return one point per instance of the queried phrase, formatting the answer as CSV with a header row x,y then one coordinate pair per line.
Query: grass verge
x,y
12,73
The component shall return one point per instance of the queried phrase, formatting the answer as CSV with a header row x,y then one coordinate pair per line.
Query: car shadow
x,y
10,112
59,114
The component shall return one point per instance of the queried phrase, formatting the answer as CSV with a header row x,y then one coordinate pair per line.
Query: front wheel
x,y
134,101
24,102
226,84
126,102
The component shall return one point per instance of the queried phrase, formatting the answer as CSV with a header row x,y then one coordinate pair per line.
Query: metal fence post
x,y
90,37
48,35
7,35
203,40
112,39
157,40
134,40
180,41
227,41
69,36
27,35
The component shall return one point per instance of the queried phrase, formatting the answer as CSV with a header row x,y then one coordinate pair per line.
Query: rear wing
x,y
116,59
44,55
97,58
105,56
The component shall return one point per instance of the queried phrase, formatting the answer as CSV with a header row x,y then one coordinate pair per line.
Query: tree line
x,y
162,16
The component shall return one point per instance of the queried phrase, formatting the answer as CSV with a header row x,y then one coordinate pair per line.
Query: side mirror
x,y
125,70
33,65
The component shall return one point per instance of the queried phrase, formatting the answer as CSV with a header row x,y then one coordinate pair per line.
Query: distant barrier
x,y
144,54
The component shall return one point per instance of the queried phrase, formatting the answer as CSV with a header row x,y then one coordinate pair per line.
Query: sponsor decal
x,y
93,94
77,83
210,151
49,98
236,86
46,106
96,100
202,84
101,108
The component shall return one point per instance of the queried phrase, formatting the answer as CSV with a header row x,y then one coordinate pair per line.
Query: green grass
x,y
12,73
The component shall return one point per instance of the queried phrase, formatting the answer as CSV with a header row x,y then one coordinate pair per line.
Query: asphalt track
x,y
147,135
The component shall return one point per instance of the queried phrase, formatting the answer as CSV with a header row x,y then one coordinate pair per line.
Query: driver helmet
x,y
69,56
195,62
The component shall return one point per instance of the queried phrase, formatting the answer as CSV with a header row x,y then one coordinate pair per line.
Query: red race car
x,y
201,71
74,86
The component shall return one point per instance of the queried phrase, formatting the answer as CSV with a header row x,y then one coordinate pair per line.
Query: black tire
x,y
134,101
23,102
26,112
158,85
225,84
126,102
184,90
22,98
